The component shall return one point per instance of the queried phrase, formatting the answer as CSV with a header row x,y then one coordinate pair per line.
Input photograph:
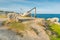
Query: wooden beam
x,y
35,13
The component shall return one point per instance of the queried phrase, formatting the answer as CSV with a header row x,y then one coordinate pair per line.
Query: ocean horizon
x,y
47,15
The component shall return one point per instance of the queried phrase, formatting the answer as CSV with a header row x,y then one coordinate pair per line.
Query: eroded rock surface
x,y
36,32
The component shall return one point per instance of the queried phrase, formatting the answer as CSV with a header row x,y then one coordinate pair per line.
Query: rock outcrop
x,y
34,32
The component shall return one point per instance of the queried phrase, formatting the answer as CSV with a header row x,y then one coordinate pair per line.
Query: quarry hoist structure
x,y
29,12
15,16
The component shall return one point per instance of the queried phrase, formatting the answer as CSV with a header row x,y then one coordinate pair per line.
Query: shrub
x,y
17,26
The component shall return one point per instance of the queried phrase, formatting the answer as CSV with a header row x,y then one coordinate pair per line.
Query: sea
x,y
47,16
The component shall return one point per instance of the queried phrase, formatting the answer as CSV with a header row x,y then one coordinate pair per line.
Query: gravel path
x,y
8,35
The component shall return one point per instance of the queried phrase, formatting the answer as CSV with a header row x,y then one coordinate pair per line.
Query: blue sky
x,y
43,6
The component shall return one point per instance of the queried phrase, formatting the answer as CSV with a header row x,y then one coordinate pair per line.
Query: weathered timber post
x,y
35,13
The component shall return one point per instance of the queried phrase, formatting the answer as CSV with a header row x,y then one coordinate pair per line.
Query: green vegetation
x,y
55,28
17,26
4,22
54,38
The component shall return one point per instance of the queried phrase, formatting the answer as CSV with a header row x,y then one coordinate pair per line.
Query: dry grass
x,y
3,16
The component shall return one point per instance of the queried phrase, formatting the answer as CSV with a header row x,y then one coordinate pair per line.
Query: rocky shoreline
x,y
36,32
